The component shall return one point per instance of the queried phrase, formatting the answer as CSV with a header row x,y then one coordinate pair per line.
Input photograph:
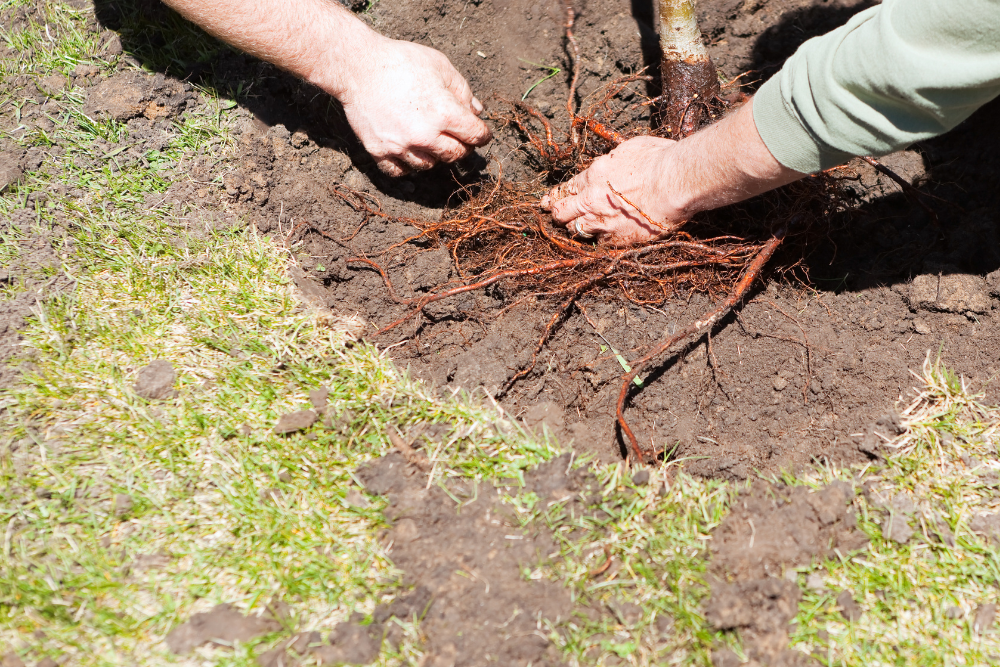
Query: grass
x,y
227,511
920,598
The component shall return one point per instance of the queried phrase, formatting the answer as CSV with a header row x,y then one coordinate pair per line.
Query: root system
x,y
500,239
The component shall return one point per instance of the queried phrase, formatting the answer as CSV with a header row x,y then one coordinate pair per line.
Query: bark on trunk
x,y
690,82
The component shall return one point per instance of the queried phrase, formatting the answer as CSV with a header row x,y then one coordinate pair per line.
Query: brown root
x,y
699,326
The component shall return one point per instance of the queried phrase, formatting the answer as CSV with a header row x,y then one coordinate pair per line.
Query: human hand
x,y
411,108
587,205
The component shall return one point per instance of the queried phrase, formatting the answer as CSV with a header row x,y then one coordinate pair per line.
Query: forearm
x,y
313,39
725,163
897,73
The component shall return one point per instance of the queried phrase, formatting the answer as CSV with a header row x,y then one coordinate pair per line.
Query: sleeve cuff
x,y
786,137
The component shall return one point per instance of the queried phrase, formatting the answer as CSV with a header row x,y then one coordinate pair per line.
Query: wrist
x,y
682,194
338,68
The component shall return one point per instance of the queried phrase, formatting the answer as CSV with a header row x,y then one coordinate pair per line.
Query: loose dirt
x,y
466,551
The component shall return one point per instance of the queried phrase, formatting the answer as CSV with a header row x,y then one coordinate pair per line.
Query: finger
x,y
448,149
465,126
459,87
568,209
419,159
585,227
392,167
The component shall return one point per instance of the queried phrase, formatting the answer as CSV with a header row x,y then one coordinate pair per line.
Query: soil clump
x,y
222,626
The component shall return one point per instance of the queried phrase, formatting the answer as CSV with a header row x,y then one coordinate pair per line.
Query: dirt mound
x,y
771,530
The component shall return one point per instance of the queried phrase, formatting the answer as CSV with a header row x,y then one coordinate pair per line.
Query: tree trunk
x,y
690,82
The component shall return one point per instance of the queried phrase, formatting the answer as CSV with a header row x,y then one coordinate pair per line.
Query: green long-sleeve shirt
x,y
897,73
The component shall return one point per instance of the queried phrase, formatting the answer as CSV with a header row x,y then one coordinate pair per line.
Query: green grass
x,y
219,305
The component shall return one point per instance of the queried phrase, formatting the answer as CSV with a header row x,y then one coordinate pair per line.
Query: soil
x,y
469,556
463,553
221,626
771,530
795,379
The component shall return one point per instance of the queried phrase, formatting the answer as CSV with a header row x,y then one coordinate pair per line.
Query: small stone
x,y
985,615
779,383
295,421
284,477
641,477
921,327
953,612
155,382
47,662
11,660
123,504
849,609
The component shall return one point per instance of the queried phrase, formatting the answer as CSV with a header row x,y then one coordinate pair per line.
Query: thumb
x,y
568,209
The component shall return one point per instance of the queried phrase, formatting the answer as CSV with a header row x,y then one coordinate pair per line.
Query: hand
x,y
586,203
411,108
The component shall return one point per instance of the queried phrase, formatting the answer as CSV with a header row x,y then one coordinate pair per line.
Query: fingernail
x,y
545,202
477,106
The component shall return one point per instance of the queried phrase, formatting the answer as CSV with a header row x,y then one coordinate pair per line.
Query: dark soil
x,y
771,530
809,363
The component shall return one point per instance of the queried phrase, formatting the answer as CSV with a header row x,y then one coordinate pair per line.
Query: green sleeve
x,y
897,73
